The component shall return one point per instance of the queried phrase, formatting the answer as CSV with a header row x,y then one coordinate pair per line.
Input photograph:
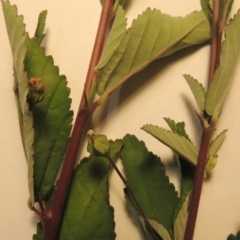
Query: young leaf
x,y
146,177
178,128
115,36
181,219
216,143
198,91
41,25
52,118
38,235
178,144
222,78
88,197
186,169
232,237
161,36
17,37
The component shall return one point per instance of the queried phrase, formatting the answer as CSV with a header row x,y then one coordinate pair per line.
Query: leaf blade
x,y
52,118
87,197
17,38
179,144
223,76
146,177
181,219
142,45
160,229
114,38
39,32
216,143
198,91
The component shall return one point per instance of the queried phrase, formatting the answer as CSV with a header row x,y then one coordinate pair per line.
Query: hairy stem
x,y
198,182
98,47
52,217
207,132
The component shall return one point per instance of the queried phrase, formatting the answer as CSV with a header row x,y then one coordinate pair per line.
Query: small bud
x,y
211,164
99,143
36,92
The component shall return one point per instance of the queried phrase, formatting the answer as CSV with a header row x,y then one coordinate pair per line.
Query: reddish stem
x,y
198,182
52,217
207,132
97,49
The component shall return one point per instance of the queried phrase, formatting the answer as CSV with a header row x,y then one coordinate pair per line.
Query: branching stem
x,y
52,217
207,132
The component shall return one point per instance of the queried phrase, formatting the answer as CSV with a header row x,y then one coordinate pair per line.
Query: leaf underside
x,y
216,143
18,37
181,219
52,118
87,213
115,36
223,76
146,177
178,144
160,229
178,127
153,35
198,91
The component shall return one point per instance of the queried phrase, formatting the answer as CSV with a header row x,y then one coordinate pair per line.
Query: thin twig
x,y
153,234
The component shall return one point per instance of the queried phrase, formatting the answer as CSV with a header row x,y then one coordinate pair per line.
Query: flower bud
x,y
36,92
99,143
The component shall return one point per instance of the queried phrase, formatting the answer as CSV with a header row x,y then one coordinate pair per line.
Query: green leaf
x,y
181,219
216,143
17,37
178,144
87,213
110,147
229,7
186,169
52,118
161,36
206,8
232,237
38,235
115,36
146,228
187,177
178,128
98,142
115,148
39,33
146,177
211,163
160,229
198,91
222,78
